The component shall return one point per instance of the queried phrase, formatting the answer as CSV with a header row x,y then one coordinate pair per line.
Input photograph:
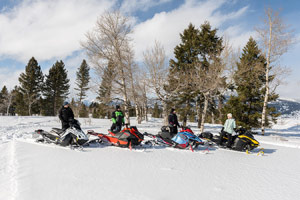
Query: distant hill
x,y
286,106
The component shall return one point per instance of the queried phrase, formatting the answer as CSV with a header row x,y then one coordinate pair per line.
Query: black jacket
x,y
173,119
65,114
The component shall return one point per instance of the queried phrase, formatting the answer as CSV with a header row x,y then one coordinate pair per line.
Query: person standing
x,y
173,122
117,119
228,130
66,115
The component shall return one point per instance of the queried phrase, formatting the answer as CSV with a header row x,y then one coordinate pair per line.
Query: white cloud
x,y
47,29
166,26
9,77
237,36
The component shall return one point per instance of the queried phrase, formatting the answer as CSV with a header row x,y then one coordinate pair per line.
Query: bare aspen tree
x,y
156,64
6,102
139,92
275,39
208,81
109,43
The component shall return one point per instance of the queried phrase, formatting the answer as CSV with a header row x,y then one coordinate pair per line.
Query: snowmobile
x,y
128,137
244,141
73,136
183,139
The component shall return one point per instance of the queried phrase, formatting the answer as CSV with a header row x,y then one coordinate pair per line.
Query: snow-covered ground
x,y
30,171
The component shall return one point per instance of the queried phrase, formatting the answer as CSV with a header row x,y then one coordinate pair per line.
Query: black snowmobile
x,y
72,136
242,142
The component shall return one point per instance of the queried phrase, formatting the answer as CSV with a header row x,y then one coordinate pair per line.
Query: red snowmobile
x,y
128,137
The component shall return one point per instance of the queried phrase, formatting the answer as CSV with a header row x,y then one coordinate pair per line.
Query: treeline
x,y
204,81
39,94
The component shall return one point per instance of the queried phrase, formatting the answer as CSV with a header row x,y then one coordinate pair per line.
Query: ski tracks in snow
x,y
9,171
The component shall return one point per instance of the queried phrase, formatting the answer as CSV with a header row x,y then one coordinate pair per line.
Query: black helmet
x,y
118,107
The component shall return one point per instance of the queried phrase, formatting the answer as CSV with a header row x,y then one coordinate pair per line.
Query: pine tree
x,y
3,93
83,112
31,84
82,80
186,56
249,80
105,89
156,111
209,78
56,87
3,99
19,102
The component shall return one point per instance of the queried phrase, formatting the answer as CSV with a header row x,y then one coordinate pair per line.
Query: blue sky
x,y
52,30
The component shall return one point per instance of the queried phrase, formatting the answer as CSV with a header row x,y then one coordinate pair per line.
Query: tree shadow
x,y
293,131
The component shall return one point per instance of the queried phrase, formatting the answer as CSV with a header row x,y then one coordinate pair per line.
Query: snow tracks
x,y
8,170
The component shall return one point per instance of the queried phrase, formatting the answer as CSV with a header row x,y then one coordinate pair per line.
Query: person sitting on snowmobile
x,y
228,130
66,115
117,119
173,122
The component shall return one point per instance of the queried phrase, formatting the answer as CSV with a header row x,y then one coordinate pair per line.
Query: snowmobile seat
x,y
165,134
165,129
206,135
58,130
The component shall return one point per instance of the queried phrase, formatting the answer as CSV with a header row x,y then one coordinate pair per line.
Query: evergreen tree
x,y
82,80
105,88
3,93
56,87
31,83
100,110
156,111
19,102
186,56
209,79
83,112
249,80
211,45
3,99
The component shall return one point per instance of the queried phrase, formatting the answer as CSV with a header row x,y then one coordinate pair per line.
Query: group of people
x,y
66,115
228,129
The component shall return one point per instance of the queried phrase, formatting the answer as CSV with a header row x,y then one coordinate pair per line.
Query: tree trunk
x,y
126,106
264,112
204,113
220,107
145,112
29,106
165,113
212,118
138,114
198,108
9,104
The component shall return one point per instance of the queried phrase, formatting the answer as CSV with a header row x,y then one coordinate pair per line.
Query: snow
x,y
30,170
